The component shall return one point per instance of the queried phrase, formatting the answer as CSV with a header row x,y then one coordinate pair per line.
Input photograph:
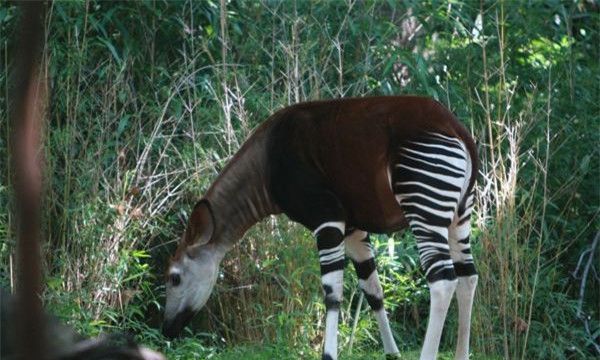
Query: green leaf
x,y
112,50
123,124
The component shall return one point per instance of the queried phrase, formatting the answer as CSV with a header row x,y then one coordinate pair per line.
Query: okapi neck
x,y
239,197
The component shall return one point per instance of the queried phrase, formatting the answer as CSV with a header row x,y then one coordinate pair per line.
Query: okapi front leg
x,y
330,242
358,248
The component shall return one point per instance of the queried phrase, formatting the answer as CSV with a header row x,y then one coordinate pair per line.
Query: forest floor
x,y
283,352
256,353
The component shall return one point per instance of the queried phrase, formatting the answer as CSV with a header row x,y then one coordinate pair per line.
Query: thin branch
x,y
355,322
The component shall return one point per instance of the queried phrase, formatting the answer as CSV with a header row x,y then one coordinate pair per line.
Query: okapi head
x,y
193,270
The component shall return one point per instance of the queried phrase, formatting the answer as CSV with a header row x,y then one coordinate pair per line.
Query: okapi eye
x,y
175,279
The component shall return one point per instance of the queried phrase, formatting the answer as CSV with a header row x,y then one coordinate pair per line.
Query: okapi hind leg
x,y
442,284
359,250
430,175
330,243
432,242
460,251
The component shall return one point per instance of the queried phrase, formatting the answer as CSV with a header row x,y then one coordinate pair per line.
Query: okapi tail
x,y
467,139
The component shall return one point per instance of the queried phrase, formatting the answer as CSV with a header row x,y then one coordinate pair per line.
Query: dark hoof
x,y
326,357
392,356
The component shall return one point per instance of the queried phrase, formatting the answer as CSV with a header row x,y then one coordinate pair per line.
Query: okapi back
x,y
347,145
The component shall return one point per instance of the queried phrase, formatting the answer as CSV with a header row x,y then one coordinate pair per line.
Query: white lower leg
x,y
374,292
331,328
465,291
333,286
441,294
389,345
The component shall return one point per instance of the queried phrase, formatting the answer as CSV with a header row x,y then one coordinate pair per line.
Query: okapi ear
x,y
201,224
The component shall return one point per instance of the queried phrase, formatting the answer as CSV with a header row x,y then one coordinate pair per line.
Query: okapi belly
x,y
373,207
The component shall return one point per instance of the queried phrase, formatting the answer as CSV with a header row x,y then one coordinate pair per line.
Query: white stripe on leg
x,y
441,293
340,225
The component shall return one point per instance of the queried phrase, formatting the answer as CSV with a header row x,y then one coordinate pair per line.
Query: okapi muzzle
x,y
192,272
173,327
189,285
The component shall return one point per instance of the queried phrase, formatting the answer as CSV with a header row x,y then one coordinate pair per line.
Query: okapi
x,y
345,168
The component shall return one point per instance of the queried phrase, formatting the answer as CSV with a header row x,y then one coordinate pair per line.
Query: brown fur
x,y
352,143
349,143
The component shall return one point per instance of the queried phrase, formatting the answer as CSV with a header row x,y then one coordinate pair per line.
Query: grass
x,y
188,349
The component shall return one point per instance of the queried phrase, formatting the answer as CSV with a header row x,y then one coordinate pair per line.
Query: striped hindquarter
x,y
430,178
